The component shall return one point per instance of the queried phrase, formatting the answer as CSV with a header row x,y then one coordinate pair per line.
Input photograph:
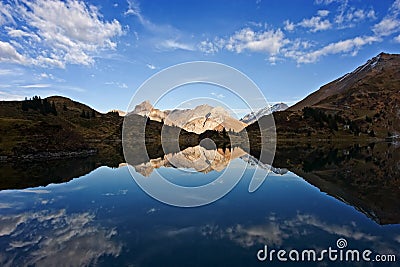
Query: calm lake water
x,y
103,218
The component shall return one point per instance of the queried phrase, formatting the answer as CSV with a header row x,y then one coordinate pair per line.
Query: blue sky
x,y
100,52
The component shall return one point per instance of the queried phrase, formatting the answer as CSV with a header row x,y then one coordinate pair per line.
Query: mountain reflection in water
x,y
366,176
200,159
103,218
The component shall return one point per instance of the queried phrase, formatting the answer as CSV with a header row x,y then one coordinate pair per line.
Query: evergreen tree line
x,y
321,117
88,114
113,113
41,105
332,121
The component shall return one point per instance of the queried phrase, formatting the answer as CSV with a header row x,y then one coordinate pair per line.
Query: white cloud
x,y
349,17
165,37
133,9
9,54
8,97
316,24
395,8
37,85
208,47
151,66
346,16
71,23
35,191
217,95
386,27
277,46
356,15
346,46
323,13
57,33
6,72
6,14
118,84
397,39
175,45
359,14
263,41
289,26
325,2
343,4
20,34
390,23
256,24
11,72
371,14
273,59
136,35
45,75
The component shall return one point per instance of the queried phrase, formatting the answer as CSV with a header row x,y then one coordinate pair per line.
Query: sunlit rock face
x,y
197,120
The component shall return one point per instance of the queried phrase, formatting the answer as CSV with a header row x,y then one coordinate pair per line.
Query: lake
x,y
81,212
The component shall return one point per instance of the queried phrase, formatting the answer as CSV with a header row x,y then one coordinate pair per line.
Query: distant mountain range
x,y
203,117
197,120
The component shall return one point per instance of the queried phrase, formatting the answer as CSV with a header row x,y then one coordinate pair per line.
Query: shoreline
x,y
44,156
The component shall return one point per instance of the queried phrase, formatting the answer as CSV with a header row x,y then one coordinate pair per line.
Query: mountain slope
x,y
58,127
362,103
386,66
28,128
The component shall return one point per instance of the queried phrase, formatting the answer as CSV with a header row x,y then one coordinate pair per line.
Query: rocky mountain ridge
x,y
198,120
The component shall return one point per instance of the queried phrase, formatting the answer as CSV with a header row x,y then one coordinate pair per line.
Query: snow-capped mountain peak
x,y
254,116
